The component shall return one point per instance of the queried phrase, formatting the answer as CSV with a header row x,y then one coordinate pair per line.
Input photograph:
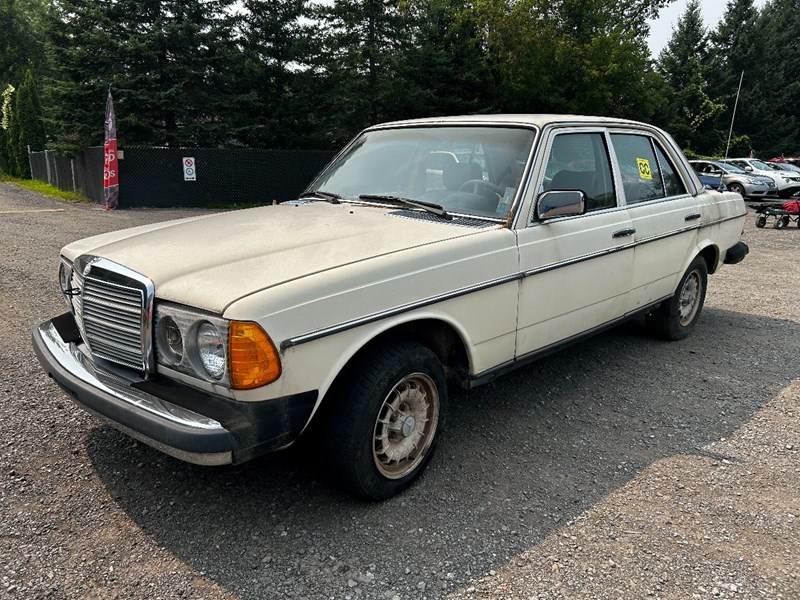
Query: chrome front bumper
x,y
172,429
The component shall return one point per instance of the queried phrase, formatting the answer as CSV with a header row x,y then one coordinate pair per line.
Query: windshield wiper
x,y
322,195
434,209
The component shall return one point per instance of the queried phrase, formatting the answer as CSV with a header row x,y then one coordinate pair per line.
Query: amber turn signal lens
x,y
254,360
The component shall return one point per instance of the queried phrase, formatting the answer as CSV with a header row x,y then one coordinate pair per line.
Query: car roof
x,y
537,120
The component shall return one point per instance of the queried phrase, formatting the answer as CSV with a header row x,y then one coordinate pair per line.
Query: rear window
x,y
647,173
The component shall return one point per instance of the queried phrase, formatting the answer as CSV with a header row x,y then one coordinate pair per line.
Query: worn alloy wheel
x,y
689,298
405,426
676,317
382,425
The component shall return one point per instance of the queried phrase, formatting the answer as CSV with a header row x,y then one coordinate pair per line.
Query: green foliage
x,y
43,188
168,63
692,112
28,117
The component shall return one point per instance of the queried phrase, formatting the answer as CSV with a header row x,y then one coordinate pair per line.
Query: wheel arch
x,y
442,337
711,255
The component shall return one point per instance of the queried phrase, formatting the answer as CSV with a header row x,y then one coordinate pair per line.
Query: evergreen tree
x,y
692,111
778,103
169,62
361,41
735,48
21,38
444,70
275,45
28,115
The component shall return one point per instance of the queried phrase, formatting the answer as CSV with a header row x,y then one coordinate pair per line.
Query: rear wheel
x,y
383,430
761,220
782,222
676,317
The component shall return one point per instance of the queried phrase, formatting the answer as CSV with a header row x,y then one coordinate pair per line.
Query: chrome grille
x,y
112,321
114,312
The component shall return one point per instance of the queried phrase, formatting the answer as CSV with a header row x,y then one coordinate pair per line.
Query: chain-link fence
x,y
82,174
158,176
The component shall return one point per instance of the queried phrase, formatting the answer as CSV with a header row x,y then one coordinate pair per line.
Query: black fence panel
x,y
223,176
156,176
88,165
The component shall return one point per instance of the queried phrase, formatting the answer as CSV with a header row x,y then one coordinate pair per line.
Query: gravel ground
x,y
624,467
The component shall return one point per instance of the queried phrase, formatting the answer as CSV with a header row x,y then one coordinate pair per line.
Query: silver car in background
x,y
787,183
737,180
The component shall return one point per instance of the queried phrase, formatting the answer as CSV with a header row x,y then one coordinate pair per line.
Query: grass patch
x,y
43,188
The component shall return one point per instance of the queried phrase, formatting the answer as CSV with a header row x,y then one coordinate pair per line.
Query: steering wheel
x,y
473,185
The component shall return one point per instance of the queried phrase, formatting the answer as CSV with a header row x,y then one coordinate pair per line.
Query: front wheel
x,y
738,188
676,317
782,222
761,220
384,427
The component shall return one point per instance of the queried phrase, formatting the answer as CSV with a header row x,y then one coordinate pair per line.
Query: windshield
x,y
732,168
757,164
467,170
785,167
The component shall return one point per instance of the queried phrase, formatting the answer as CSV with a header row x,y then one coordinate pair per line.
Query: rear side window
x,y
646,172
579,161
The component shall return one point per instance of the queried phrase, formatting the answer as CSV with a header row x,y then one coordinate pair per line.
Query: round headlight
x,y
211,349
170,340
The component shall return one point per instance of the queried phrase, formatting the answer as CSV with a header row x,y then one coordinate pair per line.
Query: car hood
x,y
211,261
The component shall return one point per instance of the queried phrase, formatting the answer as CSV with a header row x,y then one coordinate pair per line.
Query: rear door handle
x,y
692,217
623,233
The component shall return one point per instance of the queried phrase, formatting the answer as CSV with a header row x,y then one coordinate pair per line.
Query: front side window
x,y
579,161
474,170
646,172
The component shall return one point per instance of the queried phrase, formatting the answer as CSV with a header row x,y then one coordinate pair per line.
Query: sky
x,y
661,28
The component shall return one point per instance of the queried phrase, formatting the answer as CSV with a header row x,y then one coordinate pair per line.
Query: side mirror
x,y
560,203
749,169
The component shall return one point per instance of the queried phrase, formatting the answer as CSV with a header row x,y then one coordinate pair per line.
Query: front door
x,y
576,270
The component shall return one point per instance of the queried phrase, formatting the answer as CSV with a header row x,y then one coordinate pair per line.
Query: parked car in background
x,y
787,184
712,182
784,166
736,179
790,160
429,255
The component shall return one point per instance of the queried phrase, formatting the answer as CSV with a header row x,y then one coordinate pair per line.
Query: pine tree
x,y
168,61
736,48
30,125
361,43
275,48
692,111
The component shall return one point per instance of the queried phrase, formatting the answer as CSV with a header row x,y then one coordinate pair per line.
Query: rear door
x,y
665,216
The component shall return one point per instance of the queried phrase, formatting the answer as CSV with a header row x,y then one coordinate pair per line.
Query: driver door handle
x,y
692,217
623,233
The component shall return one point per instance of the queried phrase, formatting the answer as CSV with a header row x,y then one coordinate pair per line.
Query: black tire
x,y
380,407
782,222
676,317
738,188
761,220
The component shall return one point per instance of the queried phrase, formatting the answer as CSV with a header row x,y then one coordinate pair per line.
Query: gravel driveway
x,y
624,467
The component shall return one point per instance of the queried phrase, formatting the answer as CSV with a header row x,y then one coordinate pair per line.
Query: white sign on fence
x,y
189,169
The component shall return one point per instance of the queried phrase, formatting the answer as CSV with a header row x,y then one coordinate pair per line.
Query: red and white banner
x,y
111,164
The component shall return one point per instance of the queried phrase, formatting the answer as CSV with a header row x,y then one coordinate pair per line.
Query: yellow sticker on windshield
x,y
644,168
